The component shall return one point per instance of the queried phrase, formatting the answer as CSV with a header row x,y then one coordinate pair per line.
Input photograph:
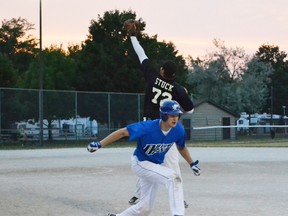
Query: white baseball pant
x,y
171,161
151,176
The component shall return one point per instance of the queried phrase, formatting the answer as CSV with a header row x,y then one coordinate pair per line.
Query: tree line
x,y
105,62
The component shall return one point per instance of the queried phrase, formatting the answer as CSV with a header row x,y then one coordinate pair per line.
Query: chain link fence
x,y
66,114
75,115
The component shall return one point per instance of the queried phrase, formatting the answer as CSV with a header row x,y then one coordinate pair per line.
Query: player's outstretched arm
x,y
186,154
116,135
138,49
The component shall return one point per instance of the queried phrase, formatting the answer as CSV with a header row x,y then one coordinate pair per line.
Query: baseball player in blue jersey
x,y
154,139
161,86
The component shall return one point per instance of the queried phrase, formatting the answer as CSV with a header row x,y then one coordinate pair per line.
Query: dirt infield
x,y
234,182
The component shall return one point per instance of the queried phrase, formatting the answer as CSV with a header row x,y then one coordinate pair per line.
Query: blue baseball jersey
x,y
152,144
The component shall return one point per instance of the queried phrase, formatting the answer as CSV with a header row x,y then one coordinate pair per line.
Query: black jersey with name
x,y
158,89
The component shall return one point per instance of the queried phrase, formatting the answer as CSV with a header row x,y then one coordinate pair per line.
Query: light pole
x,y
41,69
272,132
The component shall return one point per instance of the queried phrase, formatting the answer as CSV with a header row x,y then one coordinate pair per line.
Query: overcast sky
x,y
191,25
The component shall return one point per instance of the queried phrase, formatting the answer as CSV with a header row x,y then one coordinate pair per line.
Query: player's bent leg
x,y
159,174
146,200
171,161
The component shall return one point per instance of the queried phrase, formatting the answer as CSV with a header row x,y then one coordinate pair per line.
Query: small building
x,y
210,121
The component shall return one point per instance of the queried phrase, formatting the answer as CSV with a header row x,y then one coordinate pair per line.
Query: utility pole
x,y
272,132
41,71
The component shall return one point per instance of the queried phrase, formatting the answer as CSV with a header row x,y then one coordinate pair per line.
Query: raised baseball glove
x,y
132,27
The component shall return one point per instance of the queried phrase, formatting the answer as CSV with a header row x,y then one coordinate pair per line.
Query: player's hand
x,y
195,168
94,146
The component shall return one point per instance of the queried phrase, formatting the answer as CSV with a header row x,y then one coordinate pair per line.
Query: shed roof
x,y
198,103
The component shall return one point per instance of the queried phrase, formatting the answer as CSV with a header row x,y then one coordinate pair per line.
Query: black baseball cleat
x,y
185,204
111,214
133,200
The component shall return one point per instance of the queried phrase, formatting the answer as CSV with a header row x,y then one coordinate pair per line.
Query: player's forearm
x,y
116,135
186,155
138,49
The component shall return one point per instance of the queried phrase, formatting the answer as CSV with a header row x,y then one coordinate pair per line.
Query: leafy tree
x,y
278,87
231,61
204,80
102,58
19,48
211,76
108,62
59,71
8,75
229,78
251,91
59,74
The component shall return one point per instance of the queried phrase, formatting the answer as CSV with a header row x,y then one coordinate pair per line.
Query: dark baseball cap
x,y
169,68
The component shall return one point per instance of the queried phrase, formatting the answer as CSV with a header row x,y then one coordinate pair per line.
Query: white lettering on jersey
x,y
163,85
151,149
164,95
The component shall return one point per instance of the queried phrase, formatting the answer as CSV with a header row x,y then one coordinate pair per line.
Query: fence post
x,y
109,110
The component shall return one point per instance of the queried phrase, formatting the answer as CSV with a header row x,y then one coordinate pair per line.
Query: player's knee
x,y
146,211
146,208
173,181
174,177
